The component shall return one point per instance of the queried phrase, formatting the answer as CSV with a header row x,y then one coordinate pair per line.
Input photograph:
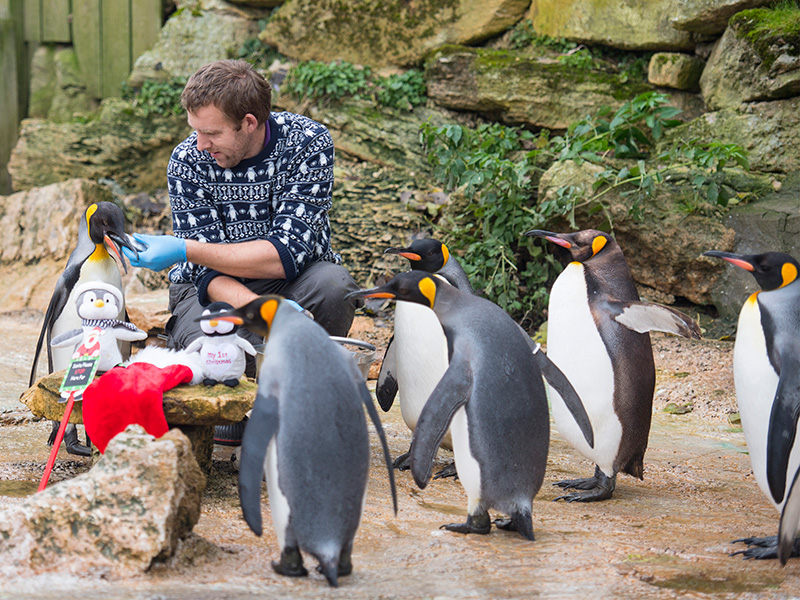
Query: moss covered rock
x,y
394,32
675,70
710,17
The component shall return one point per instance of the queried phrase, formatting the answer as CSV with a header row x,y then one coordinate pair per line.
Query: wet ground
x,y
668,536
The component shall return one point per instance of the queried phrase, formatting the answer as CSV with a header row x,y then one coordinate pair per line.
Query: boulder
x,y
675,70
380,34
503,85
710,17
197,34
767,130
120,142
627,24
130,510
748,66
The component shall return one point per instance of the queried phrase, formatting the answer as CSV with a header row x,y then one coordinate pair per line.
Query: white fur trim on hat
x,y
100,285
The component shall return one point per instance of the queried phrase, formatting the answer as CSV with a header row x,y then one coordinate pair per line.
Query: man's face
x,y
219,136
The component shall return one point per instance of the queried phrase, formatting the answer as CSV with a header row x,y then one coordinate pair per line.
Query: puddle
x,y
716,585
444,508
18,489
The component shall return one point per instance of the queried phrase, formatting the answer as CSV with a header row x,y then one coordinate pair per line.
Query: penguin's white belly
x,y
278,504
421,358
575,346
756,382
469,471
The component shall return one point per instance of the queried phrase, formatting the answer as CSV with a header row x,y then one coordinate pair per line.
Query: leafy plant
x,y
580,59
523,35
157,97
403,91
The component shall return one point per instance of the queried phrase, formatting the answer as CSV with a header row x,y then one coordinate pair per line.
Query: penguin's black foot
x,y
519,522
345,566
402,462
479,523
760,548
210,382
291,564
448,471
231,382
593,489
71,443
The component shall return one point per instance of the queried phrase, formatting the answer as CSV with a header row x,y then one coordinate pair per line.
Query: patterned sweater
x,y
282,195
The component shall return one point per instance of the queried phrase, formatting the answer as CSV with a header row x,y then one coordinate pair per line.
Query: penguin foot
x,y
760,548
519,522
586,483
448,471
291,564
345,567
71,443
593,489
231,382
210,382
402,462
479,523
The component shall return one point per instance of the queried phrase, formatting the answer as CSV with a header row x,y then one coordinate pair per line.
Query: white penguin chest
x,y
575,346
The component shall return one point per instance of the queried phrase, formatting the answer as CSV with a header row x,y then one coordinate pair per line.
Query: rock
x,y
380,34
197,34
504,85
767,130
42,81
130,510
119,143
629,25
710,17
675,70
664,248
747,66
71,96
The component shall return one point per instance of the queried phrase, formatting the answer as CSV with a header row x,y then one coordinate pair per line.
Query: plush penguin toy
x,y
221,348
98,305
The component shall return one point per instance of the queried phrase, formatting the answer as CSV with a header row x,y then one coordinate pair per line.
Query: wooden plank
x,y
146,26
116,45
86,24
9,100
33,20
56,21
16,13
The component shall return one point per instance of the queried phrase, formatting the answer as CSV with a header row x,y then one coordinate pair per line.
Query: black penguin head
x,y
582,245
257,316
412,286
425,254
105,225
218,327
772,270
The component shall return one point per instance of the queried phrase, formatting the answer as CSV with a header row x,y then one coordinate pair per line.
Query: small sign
x,y
79,374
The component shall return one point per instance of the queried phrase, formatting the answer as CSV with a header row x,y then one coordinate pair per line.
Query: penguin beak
x,y
549,236
99,303
221,316
376,292
213,322
735,259
404,253
114,242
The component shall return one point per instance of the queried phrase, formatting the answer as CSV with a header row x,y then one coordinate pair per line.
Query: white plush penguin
x,y
98,305
221,348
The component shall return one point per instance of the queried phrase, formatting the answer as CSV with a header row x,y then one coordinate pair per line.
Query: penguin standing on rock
x,y
416,357
492,398
101,235
597,334
308,433
766,370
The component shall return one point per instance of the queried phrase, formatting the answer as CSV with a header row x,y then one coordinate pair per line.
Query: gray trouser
x,y
321,289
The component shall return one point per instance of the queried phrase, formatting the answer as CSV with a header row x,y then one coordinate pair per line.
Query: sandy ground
x,y
669,536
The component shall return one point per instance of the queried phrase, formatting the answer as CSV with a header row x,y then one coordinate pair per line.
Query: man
x,y
250,192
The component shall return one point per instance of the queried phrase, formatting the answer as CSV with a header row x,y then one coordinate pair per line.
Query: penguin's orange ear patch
x,y
445,254
598,244
427,288
89,212
789,273
268,310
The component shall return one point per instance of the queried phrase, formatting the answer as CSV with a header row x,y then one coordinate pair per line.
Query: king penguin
x,y
416,356
308,434
597,334
766,370
492,398
101,234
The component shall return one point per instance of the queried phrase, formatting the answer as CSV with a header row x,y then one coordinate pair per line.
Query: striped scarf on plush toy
x,y
107,323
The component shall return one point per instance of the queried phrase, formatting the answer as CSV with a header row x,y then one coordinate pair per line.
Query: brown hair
x,y
233,86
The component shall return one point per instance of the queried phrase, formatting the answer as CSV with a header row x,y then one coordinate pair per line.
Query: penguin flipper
x,y
790,521
376,422
451,393
57,303
559,382
262,425
648,316
386,390
782,428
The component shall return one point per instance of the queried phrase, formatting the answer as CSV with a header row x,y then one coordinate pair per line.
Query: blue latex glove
x,y
156,252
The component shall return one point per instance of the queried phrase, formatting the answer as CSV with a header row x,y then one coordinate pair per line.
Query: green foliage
x,y
339,79
771,31
524,35
157,97
581,59
496,167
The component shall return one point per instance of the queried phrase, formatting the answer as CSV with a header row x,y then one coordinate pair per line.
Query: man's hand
x,y
160,251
